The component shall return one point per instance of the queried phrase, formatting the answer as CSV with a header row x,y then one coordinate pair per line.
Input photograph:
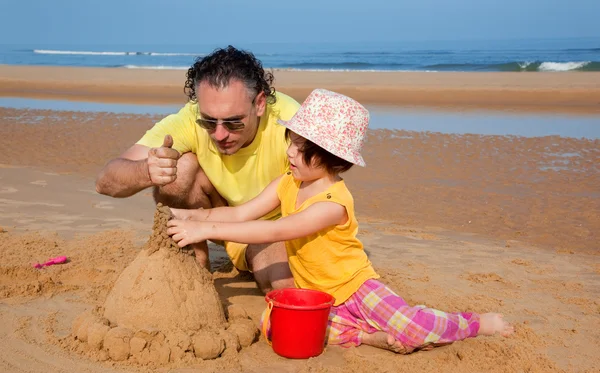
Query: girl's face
x,y
300,170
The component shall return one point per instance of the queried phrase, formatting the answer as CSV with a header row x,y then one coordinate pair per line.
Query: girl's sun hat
x,y
335,122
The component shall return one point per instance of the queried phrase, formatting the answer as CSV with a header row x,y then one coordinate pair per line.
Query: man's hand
x,y
184,214
186,232
162,163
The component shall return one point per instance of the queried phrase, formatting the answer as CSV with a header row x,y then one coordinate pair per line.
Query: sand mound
x,y
163,308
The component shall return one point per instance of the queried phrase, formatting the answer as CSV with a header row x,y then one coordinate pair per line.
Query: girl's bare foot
x,y
492,323
385,341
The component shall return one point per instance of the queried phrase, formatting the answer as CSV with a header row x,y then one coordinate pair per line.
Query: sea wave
x,y
160,67
84,53
350,70
398,53
333,69
109,53
175,54
521,66
344,65
352,60
550,66
563,66
583,50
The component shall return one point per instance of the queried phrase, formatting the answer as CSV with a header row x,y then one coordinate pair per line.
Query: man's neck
x,y
249,142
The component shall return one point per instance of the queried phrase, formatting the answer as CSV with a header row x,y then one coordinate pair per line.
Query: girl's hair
x,y
312,152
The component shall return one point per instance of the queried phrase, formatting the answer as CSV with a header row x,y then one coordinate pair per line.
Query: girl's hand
x,y
185,232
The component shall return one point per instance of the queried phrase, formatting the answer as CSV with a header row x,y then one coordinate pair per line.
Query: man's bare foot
x,y
385,341
492,323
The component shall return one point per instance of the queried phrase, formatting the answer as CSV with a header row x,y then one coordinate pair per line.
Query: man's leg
x,y
191,190
269,265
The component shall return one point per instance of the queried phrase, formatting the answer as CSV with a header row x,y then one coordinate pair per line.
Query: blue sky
x,y
186,22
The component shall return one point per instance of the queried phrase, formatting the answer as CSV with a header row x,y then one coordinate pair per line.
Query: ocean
x,y
581,54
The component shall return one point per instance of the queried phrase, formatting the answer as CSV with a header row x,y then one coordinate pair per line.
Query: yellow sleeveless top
x,y
332,260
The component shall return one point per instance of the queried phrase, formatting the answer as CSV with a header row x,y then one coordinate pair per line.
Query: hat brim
x,y
292,125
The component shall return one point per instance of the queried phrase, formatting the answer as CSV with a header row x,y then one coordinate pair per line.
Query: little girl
x,y
319,227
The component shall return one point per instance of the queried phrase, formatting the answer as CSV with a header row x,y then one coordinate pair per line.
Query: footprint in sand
x,y
521,262
483,278
557,285
11,202
408,233
565,251
588,306
90,191
39,182
104,205
4,190
530,268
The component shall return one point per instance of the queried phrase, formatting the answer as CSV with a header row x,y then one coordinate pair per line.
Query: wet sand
x,y
457,222
568,92
541,190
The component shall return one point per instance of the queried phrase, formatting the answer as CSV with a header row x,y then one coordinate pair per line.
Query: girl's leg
x,y
385,341
349,327
362,319
414,327
344,327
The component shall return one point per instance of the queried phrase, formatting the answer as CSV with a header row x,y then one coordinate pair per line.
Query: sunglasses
x,y
231,125
211,124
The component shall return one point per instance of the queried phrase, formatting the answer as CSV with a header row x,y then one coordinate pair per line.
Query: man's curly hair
x,y
224,64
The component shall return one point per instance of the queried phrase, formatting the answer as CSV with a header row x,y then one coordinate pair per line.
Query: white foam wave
x,y
562,66
161,67
357,71
92,53
175,54
523,65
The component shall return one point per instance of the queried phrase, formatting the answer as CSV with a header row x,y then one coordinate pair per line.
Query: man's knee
x,y
270,266
191,188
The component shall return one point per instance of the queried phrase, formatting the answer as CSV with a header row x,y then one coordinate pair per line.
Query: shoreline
x,y
549,92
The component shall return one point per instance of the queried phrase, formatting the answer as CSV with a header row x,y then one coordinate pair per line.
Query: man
x,y
222,148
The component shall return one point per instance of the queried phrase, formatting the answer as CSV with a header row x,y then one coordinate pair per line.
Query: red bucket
x,y
298,321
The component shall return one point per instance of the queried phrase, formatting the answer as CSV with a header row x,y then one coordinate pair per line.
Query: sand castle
x,y
163,308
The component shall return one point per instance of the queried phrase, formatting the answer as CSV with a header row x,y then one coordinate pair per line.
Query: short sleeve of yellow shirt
x,y
241,176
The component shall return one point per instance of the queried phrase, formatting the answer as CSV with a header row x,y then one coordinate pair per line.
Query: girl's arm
x,y
317,217
257,207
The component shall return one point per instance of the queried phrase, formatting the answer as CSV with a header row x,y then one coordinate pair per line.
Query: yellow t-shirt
x,y
241,176
332,260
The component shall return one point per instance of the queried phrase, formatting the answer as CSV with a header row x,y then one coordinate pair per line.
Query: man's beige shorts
x,y
237,254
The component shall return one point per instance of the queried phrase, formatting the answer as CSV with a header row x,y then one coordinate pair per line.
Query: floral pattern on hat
x,y
335,122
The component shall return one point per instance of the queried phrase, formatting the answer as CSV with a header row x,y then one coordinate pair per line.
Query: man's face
x,y
232,104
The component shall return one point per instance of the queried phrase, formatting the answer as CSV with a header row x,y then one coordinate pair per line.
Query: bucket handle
x,y
266,320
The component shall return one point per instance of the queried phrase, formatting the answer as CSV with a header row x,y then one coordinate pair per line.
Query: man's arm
x,y
126,175
138,168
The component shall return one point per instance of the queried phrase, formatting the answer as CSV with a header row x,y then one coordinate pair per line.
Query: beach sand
x,y
456,222
566,92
